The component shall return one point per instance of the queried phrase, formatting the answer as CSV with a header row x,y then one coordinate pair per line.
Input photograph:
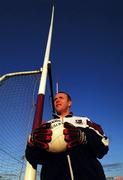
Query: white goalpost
x,y
18,93
5,76
21,108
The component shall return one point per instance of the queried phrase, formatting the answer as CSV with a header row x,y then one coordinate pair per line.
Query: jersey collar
x,y
56,116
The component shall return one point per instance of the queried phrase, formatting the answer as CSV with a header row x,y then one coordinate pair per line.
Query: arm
x,y
97,142
38,144
91,136
35,155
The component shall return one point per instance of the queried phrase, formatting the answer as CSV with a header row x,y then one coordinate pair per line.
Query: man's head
x,y
62,103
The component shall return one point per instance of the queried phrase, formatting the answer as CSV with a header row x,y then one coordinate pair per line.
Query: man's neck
x,y
62,115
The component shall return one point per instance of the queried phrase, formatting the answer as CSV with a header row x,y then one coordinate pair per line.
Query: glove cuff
x,y
82,136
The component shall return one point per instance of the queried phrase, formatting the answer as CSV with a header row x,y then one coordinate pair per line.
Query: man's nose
x,y
58,100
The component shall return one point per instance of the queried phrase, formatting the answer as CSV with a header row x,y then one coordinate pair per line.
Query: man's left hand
x,y
73,135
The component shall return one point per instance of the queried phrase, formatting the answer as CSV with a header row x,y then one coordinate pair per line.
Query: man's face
x,y
62,103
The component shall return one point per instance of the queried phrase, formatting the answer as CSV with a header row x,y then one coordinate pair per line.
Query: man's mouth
x,y
57,105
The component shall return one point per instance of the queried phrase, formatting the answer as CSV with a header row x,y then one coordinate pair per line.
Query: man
x,y
85,143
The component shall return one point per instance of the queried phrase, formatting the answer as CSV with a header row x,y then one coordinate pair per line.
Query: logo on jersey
x,y
79,121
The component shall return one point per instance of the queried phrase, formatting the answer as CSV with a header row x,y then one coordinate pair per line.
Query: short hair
x,y
69,98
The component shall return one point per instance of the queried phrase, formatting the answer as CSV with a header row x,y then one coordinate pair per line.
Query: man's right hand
x,y
41,136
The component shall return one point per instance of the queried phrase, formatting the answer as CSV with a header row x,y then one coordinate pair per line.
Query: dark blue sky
x,y
86,55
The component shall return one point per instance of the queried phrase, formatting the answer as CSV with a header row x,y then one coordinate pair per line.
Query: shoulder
x,y
84,122
78,121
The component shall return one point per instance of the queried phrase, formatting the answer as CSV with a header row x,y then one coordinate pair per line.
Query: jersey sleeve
x,y
97,142
35,155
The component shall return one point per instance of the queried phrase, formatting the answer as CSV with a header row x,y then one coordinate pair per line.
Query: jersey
x,y
84,157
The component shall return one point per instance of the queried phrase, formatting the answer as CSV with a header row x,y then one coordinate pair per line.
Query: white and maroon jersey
x,y
84,157
82,122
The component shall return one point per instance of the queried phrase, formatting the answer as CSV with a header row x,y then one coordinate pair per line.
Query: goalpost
x,y
21,101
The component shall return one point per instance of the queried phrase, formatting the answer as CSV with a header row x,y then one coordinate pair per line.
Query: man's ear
x,y
70,103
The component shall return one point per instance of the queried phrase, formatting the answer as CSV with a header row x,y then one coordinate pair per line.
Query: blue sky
x,y
86,55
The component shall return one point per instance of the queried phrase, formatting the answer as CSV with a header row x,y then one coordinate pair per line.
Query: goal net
x,y
18,92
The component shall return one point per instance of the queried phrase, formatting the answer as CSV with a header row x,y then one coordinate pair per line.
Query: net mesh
x,y
17,106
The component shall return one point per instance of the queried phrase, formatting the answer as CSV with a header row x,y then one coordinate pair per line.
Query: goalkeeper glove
x,y
73,135
41,136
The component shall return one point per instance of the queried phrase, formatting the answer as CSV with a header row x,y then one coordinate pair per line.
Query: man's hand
x,y
41,136
73,135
